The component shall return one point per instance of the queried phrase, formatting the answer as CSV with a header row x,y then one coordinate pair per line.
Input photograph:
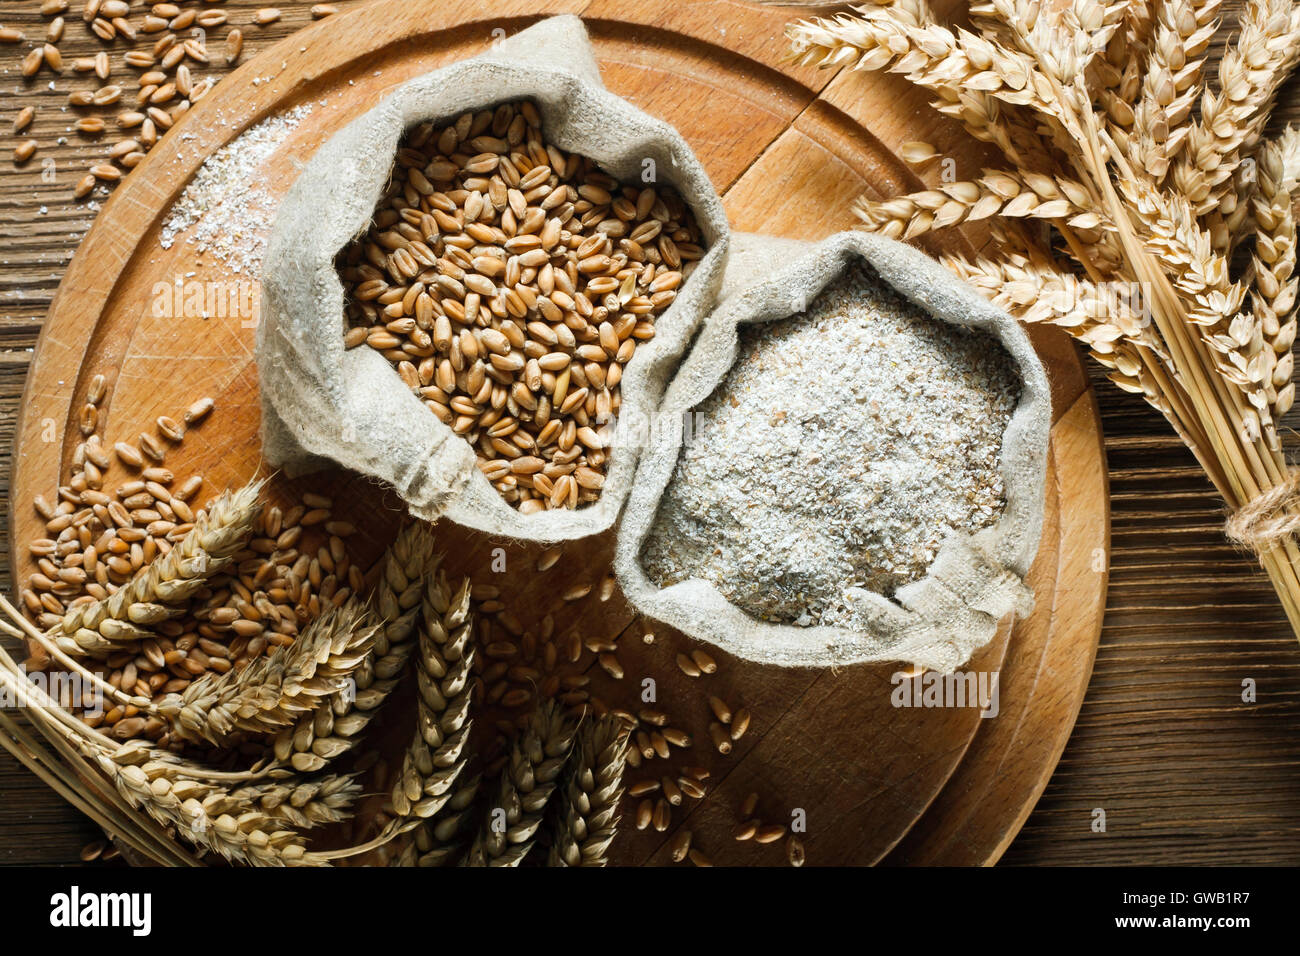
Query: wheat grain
x,y
513,308
1289,144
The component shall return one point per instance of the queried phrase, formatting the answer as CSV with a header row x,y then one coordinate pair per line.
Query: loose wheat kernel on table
x,y
704,661
677,738
642,787
866,429
745,830
794,851
680,845
663,815
691,787
721,739
720,709
739,723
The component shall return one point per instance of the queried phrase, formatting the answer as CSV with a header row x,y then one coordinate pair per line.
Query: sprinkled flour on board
x,y
230,213
842,448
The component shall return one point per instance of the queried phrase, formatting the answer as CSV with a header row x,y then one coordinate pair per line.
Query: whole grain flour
x,y
843,448
779,515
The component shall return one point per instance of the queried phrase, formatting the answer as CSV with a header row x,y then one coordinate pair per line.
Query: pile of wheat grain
x,y
160,46
509,283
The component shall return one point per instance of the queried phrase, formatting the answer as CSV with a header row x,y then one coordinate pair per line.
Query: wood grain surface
x,y
1183,769
829,743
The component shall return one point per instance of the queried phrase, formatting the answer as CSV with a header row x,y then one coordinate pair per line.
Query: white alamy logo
x,y
961,689
77,909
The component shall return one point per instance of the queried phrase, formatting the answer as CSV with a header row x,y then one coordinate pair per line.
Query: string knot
x,y
1265,520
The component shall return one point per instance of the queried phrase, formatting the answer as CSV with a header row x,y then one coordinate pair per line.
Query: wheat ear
x,y
1273,300
435,758
588,813
335,727
444,659
300,803
160,590
1170,86
253,837
274,692
528,780
443,839
1250,73
996,193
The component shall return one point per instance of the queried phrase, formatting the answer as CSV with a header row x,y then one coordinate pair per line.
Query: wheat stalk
x,y
159,784
436,758
149,799
336,725
1273,299
443,839
160,590
588,811
1233,117
71,770
528,780
275,691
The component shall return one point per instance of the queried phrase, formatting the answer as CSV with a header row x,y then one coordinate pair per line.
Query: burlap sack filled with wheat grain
x,y
323,404
975,580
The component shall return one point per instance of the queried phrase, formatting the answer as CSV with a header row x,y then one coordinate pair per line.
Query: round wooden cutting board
x,y
789,149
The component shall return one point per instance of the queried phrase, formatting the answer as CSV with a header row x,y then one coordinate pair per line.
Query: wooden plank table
x,y
1184,770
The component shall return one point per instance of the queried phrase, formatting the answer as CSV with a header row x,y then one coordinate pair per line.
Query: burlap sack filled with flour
x,y
323,404
935,620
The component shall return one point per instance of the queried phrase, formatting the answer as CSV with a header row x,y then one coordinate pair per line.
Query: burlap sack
x,y
322,404
975,580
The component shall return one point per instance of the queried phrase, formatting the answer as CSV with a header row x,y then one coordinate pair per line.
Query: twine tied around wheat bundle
x,y
1269,518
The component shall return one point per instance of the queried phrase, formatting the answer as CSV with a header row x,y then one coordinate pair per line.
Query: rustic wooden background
x,y
1184,770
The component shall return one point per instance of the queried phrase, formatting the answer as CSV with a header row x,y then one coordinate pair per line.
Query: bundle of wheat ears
x,y
304,707
1170,210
